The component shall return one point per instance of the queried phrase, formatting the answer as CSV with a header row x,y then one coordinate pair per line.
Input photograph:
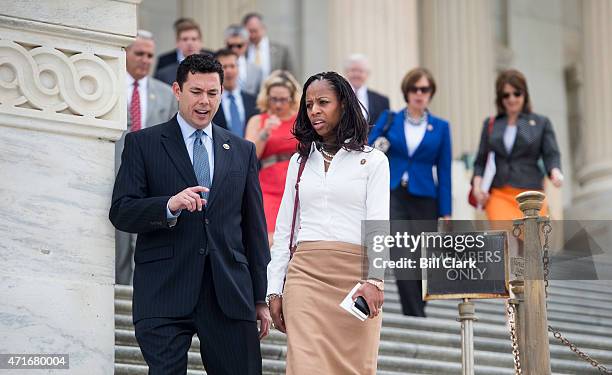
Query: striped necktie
x,y
201,164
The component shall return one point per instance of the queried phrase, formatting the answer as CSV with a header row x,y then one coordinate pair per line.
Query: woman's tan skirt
x,y
322,338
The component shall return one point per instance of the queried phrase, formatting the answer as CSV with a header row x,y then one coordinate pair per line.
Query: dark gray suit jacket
x,y
535,139
250,110
230,232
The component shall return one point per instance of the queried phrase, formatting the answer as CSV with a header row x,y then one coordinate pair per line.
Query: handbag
x,y
382,143
296,206
471,197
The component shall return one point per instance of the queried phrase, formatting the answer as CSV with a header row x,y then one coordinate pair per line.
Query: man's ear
x,y
176,89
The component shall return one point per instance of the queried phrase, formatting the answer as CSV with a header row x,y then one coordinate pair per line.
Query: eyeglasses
x,y
143,53
273,99
423,89
517,94
235,45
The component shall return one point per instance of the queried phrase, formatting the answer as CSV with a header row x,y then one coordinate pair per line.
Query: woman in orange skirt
x,y
518,138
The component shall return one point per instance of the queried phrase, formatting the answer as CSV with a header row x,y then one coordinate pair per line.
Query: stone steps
x,y
412,345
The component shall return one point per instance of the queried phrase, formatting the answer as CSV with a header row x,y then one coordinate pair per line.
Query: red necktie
x,y
135,109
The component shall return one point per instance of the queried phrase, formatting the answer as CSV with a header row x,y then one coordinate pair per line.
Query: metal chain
x,y
546,230
515,347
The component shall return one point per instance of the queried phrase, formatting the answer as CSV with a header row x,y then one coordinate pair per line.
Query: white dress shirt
x,y
242,71
264,55
509,137
188,133
142,92
332,204
225,105
362,95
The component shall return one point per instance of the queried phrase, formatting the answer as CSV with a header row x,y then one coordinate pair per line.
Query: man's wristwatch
x,y
379,284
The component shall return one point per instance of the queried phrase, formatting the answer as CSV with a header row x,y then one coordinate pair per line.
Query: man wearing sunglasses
x,y
250,75
149,102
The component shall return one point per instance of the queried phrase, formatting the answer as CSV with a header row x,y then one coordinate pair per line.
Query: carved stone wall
x,y
62,104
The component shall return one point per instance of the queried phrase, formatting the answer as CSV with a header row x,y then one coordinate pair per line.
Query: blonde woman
x,y
278,101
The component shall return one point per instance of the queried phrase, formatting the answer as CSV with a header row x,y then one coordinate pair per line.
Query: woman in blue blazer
x,y
420,156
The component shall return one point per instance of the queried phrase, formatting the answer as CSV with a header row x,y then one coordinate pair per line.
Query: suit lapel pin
x,y
226,146
363,161
429,127
532,122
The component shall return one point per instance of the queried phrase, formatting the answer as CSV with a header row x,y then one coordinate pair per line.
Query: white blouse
x,y
332,204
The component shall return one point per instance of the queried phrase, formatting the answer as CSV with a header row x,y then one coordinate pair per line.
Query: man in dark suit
x,y
357,72
237,106
188,42
190,190
171,57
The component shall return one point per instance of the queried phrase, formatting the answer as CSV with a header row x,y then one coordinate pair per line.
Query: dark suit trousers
x,y
227,346
420,214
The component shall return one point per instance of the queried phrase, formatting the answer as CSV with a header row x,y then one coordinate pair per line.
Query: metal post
x,y
467,314
533,320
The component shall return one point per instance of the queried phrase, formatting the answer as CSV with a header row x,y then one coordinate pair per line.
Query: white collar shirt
x,y
264,55
333,204
242,71
225,104
188,133
362,95
142,93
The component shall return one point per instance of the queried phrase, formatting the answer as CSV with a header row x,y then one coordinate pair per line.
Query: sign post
x,y
467,314
532,317
464,265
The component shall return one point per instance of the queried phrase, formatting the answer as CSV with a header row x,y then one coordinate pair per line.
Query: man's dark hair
x,y
225,52
248,17
351,131
198,63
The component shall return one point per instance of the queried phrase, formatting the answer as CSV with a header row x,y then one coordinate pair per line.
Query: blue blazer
x,y
434,150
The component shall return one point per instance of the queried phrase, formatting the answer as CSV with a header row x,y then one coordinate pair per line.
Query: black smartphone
x,y
362,305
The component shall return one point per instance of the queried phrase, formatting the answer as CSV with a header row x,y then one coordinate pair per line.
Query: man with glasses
x,y
149,102
250,75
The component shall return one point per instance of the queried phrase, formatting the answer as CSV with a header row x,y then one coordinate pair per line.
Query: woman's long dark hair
x,y
352,126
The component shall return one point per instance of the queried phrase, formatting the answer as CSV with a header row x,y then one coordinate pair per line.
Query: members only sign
x,y
464,265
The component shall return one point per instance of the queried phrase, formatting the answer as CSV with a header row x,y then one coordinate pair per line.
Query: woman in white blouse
x,y
344,182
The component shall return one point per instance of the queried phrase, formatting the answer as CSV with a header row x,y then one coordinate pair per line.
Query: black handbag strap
x,y
388,123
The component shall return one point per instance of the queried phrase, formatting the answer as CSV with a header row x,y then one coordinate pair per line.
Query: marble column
x,y
385,31
457,46
595,175
214,16
62,104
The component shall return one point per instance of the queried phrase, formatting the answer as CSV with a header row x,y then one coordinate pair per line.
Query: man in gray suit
x,y
250,75
262,52
149,102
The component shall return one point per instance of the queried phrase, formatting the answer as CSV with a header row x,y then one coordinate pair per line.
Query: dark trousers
x,y
422,213
227,346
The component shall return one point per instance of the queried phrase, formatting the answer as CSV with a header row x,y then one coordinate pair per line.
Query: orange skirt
x,y
502,204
